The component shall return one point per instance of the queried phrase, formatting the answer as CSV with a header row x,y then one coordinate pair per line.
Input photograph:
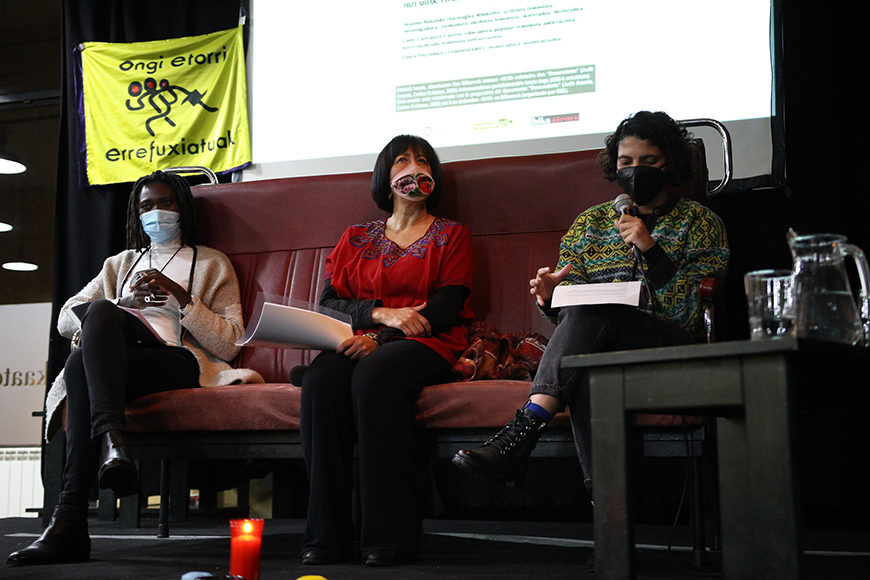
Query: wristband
x,y
374,337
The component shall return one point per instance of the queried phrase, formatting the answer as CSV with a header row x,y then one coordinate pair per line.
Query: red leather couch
x,y
277,233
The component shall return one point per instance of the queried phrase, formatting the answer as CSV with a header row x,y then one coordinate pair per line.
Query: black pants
x,y
368,403
119,361
588,329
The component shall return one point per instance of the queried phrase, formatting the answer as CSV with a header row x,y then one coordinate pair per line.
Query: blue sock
x,y
539,411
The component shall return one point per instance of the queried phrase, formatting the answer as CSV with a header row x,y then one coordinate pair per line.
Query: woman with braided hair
x,y
163,314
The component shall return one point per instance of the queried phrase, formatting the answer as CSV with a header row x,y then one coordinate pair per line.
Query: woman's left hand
x,y
160,287
356,346
633,231
407,319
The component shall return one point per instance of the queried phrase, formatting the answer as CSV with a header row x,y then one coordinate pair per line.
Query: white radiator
x,y
20,481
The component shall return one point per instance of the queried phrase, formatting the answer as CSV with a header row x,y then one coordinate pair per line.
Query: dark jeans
x,y
588,329
119,360
369,404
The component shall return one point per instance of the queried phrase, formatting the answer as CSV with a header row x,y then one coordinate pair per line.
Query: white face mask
x,y
413,184
161,225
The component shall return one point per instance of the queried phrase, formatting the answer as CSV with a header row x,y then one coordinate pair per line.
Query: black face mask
x,y
642,182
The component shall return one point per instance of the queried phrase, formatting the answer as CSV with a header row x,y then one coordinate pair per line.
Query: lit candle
x,y
246,536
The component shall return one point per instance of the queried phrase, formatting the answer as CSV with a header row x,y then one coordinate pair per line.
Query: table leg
x,y
736,510
771,474
614,541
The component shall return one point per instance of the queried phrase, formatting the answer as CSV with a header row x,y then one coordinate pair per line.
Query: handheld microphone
x,y
623,204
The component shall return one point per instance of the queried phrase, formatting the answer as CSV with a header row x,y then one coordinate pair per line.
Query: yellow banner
x,y
165,103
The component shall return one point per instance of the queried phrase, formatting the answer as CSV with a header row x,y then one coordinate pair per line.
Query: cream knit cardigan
x,y
211,323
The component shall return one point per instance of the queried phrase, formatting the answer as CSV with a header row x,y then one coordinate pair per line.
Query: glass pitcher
x,y
825,308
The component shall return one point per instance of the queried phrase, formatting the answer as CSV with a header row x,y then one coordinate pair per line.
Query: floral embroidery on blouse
x,y
375,244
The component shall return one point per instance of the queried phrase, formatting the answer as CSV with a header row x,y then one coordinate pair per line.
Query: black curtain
x,y
819,87
823,53
89,221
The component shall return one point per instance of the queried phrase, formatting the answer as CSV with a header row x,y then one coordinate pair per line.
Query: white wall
x,y
24,331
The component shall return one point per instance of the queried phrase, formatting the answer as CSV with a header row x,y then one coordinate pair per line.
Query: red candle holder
x,y
246,537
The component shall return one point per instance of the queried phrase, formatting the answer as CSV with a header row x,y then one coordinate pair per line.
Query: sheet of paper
x,y
81,309
138,314
608,293
280,326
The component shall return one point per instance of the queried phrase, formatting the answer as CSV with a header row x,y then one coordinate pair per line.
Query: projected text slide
x,y
467,74
476,31
474,91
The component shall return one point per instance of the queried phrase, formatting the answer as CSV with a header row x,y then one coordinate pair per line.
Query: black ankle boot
x,y
117,470
504,458
64,540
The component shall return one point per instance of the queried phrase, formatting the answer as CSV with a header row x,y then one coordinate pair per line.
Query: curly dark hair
x,y
381,173
660,130
136,237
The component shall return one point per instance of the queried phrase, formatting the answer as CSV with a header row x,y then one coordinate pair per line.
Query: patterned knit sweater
x,y
690,244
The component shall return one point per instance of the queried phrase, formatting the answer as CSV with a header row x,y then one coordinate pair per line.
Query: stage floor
x,y
451,549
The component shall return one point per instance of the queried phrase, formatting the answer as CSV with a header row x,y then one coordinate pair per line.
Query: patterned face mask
x,y
414,185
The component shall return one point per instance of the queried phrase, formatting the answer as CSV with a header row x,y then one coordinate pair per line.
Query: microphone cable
x,y
687,476
624,204
638,268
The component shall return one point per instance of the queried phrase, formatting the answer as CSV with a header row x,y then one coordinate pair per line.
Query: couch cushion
x,y
259,407
275,406
488,404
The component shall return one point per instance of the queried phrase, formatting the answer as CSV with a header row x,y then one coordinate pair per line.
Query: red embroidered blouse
x,y
366,265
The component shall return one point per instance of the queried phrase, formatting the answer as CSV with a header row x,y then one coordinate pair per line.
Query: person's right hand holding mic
x,y
634,232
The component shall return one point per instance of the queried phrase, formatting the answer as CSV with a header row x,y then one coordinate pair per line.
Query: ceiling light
x,y
9,163
20,266
10,166
4,227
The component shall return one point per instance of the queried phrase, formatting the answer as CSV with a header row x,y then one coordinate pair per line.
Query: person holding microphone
x,y
667,241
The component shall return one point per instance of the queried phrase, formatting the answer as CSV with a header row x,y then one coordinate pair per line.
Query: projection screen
x,y
332,82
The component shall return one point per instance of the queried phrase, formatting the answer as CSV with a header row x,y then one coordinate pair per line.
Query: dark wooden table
x,y
748,386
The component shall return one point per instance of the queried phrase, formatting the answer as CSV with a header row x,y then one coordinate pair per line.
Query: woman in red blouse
x,y
405,281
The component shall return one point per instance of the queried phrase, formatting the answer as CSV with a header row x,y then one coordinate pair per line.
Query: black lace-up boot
x,y
64,540
504,458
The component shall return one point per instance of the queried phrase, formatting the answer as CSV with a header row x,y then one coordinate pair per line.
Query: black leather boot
x,y
504,458
117,470
64,540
